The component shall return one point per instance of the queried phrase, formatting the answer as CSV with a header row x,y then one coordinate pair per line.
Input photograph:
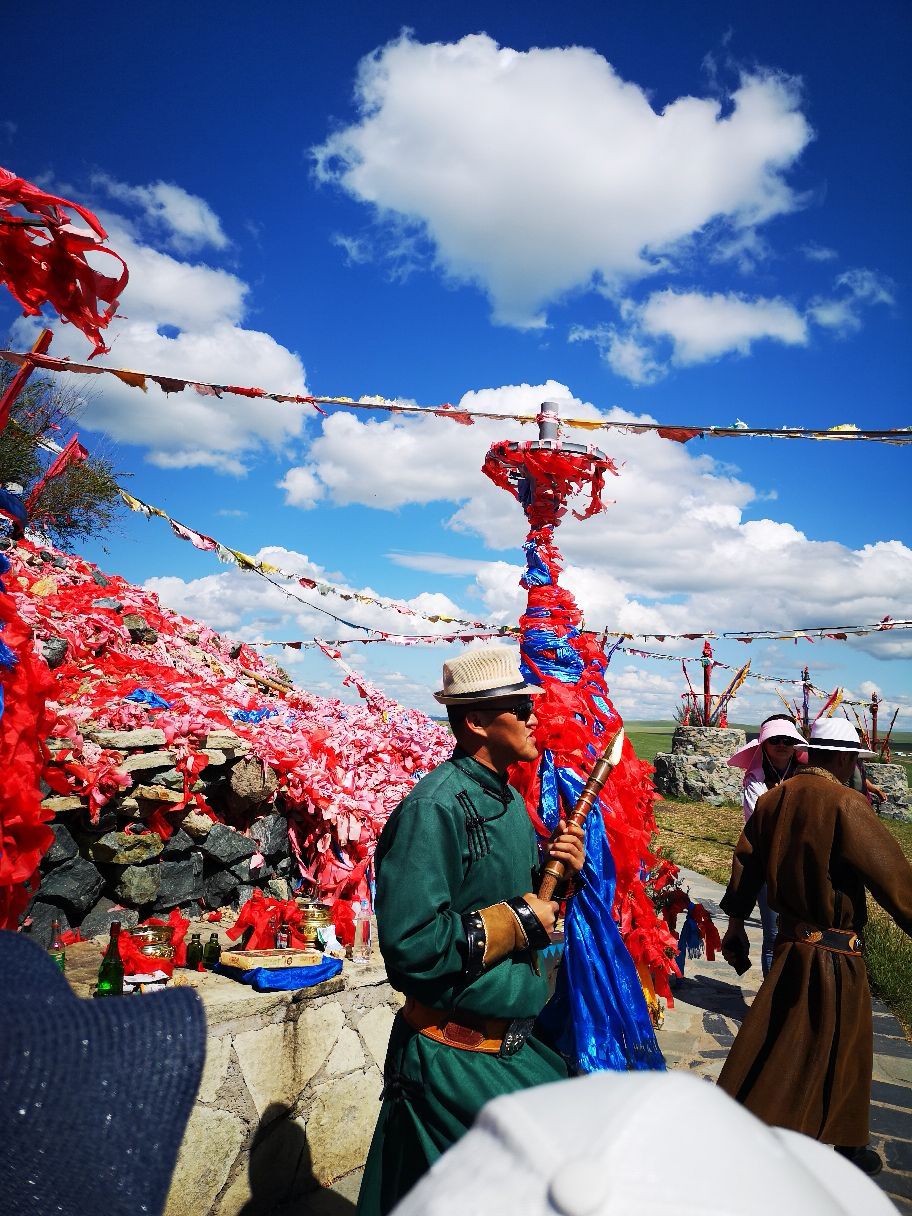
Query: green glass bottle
x,y
58,949
212,952
194,953
111,971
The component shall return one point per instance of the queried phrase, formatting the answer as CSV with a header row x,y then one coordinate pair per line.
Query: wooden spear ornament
x,y
555,871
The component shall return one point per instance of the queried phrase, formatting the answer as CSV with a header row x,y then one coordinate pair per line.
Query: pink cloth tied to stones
x,y
342,768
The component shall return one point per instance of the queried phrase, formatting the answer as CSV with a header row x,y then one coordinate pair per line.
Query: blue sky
x,y
691,218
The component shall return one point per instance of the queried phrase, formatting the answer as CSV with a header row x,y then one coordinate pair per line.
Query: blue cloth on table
x,y
268,979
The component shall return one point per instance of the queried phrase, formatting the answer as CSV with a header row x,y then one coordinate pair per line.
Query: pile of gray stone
x,y
697,770
697,767
116,868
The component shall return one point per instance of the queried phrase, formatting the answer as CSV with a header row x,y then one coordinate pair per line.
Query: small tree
x,y
83,501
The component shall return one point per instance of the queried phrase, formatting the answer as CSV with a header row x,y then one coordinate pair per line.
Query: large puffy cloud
x,y
674,553
183,318
536,173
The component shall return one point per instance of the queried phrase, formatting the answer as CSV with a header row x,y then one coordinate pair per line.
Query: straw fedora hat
x,y
486,673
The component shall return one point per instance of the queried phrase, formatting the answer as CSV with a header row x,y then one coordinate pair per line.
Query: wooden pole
x,y
707,671
875,702
555,870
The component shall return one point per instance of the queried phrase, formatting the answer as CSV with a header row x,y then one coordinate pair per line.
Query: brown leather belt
x,y
492,1036
837,941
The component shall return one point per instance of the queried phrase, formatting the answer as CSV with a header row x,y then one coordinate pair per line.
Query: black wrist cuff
x,y
537,935
476,942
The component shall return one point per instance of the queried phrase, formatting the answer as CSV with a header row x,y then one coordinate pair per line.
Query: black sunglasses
x,y
524,708
783,740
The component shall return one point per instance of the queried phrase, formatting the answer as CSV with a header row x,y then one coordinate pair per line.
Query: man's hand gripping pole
x,y
555,870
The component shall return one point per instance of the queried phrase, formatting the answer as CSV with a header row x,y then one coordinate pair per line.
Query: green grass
x,y
703,837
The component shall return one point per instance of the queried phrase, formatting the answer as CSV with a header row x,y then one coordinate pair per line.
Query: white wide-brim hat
x,y
779,728
486,673
837,735
660,1143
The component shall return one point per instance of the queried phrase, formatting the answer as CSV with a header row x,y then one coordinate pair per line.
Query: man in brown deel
x,y
804,1055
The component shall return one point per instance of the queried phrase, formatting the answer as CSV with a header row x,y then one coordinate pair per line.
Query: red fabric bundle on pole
x,y
43,258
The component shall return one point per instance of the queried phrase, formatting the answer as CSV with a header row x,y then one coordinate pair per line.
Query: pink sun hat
x,y
780,728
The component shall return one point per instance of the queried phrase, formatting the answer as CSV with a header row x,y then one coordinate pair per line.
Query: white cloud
x,y
184,319
537,173
853,290
818,253
698,328
186,220
703,327
675,553
682,328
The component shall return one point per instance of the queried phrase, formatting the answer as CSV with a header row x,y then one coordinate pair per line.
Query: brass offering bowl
x,y
316,916
154,941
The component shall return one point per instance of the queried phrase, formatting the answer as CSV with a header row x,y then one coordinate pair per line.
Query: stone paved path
x,y
709,1004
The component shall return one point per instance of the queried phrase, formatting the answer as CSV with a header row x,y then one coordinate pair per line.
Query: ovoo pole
x,y
598,1016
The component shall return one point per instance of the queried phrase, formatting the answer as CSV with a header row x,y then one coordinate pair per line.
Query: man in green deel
x,y
459,926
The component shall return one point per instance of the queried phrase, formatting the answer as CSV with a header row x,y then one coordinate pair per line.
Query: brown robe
x,y
804,1055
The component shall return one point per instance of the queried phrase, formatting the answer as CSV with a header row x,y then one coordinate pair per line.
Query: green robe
x,y
459,841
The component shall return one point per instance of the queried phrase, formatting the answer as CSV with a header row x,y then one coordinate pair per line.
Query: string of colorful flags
x,y
677,433
434,639
477,629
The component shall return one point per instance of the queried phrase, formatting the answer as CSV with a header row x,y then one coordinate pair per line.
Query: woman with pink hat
x,y
766,761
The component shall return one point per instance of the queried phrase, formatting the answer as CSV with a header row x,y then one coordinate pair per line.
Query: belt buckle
x,y
515,1036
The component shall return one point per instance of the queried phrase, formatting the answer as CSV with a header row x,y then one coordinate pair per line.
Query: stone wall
x,y
697,767
115,868
893,781
290,1090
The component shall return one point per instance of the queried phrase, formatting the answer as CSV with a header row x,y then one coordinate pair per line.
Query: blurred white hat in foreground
x,y
624,1144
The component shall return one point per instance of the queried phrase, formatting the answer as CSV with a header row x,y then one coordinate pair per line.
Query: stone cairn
x,y
116,869
697,769
697,766
894,782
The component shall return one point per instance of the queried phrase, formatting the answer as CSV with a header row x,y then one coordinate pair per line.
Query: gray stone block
x,y
108,601
271,834
124,740
138,885
41,916
124,848
252,784
98,921
63,848
178,845
76,884
181,882
54,651
220,888
227,846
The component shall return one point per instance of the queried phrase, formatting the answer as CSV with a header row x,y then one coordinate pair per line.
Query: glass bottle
x,y
283,936
212,952
111,971
57,949
194,952
361,950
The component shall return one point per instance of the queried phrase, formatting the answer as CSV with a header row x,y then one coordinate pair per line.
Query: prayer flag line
x,y
246,562
677,433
